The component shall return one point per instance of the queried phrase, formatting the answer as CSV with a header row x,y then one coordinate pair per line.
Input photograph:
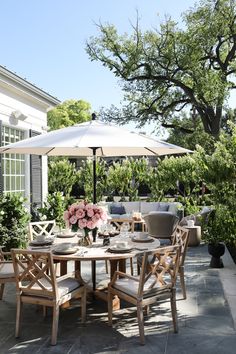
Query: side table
x,y
194,235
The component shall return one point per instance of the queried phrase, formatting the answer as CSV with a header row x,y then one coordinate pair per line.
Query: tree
x,y
188,132
69,113
170,69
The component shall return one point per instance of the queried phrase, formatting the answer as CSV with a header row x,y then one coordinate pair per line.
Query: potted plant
x,y
216,234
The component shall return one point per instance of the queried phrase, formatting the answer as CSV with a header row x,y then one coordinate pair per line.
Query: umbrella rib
x,y
151,151
48,152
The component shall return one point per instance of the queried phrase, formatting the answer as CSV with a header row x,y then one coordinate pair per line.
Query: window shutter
x,y
35,177
1,160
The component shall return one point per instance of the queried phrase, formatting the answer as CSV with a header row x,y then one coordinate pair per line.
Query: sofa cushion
x,y
117,209
131,206
146,207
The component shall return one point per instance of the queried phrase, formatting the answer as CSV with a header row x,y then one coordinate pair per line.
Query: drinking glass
x,y
124,229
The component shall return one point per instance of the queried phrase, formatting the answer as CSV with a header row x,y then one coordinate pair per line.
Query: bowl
x,y
142,235
41,238
121,244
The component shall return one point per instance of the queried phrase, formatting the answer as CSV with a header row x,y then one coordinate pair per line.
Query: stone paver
x,y
206,320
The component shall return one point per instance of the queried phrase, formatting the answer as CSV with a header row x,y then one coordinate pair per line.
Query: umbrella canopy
x,y
82,139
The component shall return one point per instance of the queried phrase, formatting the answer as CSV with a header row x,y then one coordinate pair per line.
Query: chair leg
x,y
106,267
44,311
109,303
19,305
2,290
55,319
174,310
83,306
131,266
182,282
140,323
138,269
147,310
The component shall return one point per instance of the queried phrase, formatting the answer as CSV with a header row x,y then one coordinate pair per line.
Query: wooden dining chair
x,y
149,287
37,284
37,228
7,274
181,237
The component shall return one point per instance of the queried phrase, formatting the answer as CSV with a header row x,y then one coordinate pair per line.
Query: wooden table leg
x,y
63,267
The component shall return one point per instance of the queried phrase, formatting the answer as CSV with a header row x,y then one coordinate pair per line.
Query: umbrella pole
x,y
94,187
94,231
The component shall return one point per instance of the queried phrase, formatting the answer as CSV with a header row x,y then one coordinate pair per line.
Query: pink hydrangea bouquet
x,y
85,216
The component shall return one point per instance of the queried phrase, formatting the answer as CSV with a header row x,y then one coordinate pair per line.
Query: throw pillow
x,y
163,207
115,209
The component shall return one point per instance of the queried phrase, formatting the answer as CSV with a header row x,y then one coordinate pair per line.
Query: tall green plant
x,y
85,178
62,176
219,173
54,207
14,218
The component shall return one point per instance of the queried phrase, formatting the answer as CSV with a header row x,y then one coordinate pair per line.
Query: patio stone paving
x,y
206,319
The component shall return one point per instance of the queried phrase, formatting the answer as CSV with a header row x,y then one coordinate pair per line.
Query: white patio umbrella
x,y
93,138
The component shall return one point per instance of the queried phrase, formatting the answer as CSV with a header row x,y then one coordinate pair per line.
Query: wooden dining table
x,y
97,252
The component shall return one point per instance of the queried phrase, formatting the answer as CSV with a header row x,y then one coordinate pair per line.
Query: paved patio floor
x,y
206,320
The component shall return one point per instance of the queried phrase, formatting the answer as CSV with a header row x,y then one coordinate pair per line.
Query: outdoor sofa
x,y
122,210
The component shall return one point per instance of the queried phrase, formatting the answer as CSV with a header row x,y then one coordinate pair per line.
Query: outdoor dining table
x,y
97,252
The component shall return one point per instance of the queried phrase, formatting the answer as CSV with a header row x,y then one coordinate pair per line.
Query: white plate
x,y
117,249
136,238
41,243
65,250
71,234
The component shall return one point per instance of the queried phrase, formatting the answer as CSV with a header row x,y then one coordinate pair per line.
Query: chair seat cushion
x,y
130,287
65,285
6,270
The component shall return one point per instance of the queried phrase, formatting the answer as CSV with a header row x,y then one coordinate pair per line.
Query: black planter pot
x,y
216,251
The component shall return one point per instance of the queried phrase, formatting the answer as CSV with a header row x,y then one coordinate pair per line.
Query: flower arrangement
x,y
85,216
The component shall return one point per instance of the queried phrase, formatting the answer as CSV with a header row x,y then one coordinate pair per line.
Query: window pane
x,y
18,183
13,164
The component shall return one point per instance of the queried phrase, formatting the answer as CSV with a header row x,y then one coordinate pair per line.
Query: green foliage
x,y
168,69
178,175
221,226
124,177
69,113
219,173
54,207
14,218
62,175
189,133
85,178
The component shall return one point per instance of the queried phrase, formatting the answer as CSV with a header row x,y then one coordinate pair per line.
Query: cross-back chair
x,y
181,237
157,283
37,284
37,228
7,274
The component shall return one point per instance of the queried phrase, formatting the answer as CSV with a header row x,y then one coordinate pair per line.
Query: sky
x,y
44,42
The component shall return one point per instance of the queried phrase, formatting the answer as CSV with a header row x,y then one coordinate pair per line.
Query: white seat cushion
x,y
65,285
6,270
130,287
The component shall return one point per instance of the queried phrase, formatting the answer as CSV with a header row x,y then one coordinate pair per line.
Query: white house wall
x,y
15,98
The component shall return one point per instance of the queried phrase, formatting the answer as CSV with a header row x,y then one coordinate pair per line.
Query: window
x,y
13,164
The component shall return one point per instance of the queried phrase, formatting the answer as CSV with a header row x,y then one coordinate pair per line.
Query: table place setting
x,y
65,248
42,240
66,233
141,237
